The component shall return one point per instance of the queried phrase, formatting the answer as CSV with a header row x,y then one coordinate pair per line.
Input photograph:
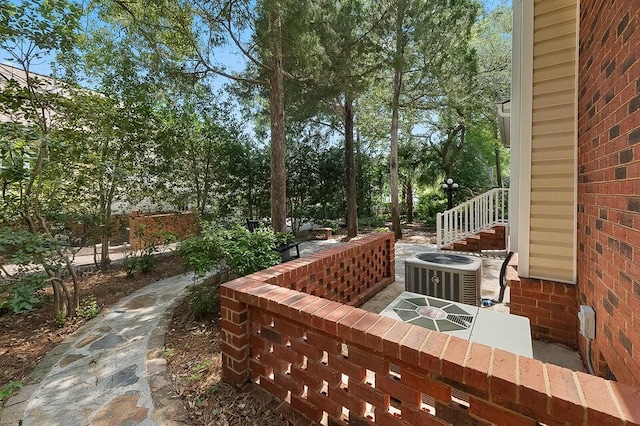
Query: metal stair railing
x,y
472,216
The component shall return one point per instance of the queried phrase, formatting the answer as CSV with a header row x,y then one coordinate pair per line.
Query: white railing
x,y
471,217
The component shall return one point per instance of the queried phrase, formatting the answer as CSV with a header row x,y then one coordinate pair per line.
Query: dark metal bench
x,y
285,251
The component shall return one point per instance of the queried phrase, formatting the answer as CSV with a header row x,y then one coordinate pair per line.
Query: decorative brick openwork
x,y
609,181
331,363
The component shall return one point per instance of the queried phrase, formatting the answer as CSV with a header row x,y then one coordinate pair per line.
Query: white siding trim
x,y
514,131
524,117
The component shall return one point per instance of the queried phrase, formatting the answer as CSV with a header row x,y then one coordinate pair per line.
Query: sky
x,y
231,59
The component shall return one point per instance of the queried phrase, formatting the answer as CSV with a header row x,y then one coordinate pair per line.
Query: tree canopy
x,y
339,112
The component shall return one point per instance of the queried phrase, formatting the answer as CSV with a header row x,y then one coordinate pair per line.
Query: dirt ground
x,y
194,362
25,338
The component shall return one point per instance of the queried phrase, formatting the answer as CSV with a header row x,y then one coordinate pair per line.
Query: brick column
x,y
552,308
234,332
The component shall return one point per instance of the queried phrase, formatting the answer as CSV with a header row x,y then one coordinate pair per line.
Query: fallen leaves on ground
x,y
195,364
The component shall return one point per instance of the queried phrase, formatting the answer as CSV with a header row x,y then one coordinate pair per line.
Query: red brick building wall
x,y
331,362
609,181
550,306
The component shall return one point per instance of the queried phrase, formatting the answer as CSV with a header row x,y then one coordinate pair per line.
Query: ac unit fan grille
x,y
436,315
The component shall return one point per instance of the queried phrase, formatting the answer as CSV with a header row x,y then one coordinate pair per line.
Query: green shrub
x,y
429,205
131,265
88,308
22,293
283,238
146,263
204,298
231,251
371,222
9,388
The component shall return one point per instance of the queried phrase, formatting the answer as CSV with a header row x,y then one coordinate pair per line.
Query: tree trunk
x,y
276,104
350,168
409,201
104,251
395,106
105,228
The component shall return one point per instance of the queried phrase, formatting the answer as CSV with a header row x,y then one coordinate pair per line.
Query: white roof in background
x,y
47,85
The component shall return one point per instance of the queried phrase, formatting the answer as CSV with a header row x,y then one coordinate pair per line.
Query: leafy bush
x,y
146,263
88,308
204,298
131,265
22,293
283,238
232,251
371,222
429,204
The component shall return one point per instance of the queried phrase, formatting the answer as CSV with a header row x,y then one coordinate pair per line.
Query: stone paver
x,y
102,374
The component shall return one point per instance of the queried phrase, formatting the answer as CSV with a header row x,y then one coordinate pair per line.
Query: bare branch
x,y
238,44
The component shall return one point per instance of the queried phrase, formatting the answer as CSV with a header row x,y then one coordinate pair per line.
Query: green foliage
x,y
142,263
146,263
23,292
131,265
61,319
88,308
371,222
429,204
204,298
9,389
283,238
24,248
232,251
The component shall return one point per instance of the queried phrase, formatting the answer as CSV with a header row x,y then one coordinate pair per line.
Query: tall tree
x,y
339,65
431,46
192,34
111,126
31,33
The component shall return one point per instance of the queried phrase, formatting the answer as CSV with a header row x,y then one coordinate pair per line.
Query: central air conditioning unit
x,y
496,329
447,276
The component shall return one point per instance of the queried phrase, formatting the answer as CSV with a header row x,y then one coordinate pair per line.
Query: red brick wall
x,y
350,275
144,229
550,306
609,181
326,361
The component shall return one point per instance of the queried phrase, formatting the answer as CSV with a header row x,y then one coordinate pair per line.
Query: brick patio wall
x,y
332,363
609,181
149,228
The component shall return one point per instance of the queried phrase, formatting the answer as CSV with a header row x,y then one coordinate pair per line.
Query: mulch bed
x,y
194,362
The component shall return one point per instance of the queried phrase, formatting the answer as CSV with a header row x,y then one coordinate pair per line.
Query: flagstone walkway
x,y
109,372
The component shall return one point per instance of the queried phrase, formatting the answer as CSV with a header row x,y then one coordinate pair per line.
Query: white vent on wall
x,y
447,276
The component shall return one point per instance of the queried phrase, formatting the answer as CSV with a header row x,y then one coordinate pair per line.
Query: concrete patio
x,y
546,352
